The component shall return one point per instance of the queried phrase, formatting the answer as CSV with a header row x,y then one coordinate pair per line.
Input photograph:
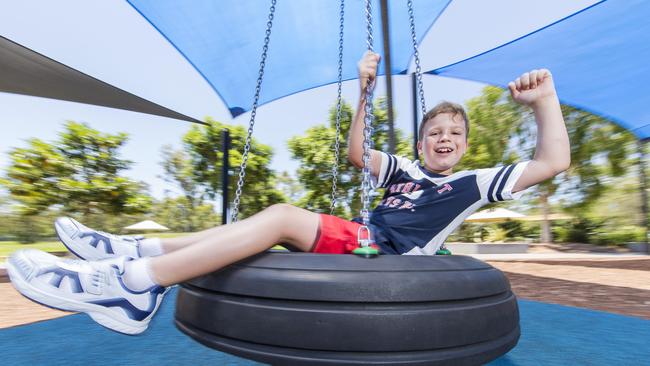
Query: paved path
x,y
617,286
629,278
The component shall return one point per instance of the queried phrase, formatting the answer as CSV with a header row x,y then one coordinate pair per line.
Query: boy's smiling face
x,y
443,142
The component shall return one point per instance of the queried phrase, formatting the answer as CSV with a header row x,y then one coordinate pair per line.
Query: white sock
x,y
151,247
137,275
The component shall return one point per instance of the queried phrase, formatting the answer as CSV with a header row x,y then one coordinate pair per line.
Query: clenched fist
x,y
368,69
532,87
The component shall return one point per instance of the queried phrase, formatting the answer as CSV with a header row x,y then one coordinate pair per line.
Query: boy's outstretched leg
x,y
123,293
91,244
279,223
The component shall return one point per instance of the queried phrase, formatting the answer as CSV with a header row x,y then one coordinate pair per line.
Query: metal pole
x,y
414,93
389,79
225,168
644,190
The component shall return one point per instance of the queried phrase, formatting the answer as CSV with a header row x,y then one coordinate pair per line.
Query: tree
x,y
495,121
314,151
95,185
178,170
176,215
78,173
290,187
34,176
600,150
503,131
203,147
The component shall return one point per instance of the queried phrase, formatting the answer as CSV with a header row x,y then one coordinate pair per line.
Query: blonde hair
x,y
444,107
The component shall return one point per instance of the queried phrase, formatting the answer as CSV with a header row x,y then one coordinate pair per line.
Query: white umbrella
x,y
146,225
550,217
494,215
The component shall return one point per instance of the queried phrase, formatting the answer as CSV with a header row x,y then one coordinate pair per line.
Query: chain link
x,y
367,130
416,56
418,72
335,167
258,88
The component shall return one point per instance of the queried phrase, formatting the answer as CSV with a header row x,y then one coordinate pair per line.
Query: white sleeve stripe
x,y
389,169
499,192
494,184
384,171
393,165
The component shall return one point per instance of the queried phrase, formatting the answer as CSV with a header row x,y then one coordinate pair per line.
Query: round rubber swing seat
x,y
319,309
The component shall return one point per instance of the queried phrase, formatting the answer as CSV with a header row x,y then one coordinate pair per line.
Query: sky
x,y
112,42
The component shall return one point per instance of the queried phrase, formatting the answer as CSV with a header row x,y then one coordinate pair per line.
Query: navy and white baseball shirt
x,y
420,209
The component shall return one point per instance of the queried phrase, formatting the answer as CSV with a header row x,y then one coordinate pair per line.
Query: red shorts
x,y
336,235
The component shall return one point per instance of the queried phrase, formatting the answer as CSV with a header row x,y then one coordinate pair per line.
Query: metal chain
x,y
258,88
367,130
418,75
369,39
335,168
416,56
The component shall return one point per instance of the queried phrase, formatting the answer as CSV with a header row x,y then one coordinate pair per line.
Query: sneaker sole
x,y
100,314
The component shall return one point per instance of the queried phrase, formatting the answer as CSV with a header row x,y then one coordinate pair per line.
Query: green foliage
x,y
507,231
619,236
34,176
612,218
203,146
180,216
514,229
315,149
78,173
495,122
599,150
595,231
579,230
290,187
619,205
27,228
95,185
177,169
502,132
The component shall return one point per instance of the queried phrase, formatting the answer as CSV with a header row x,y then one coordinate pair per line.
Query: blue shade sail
x,y
599,58
223,40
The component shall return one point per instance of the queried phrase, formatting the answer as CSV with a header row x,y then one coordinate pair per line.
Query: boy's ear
x,y
419,147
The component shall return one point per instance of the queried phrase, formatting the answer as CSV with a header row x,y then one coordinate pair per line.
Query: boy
x,y
121,281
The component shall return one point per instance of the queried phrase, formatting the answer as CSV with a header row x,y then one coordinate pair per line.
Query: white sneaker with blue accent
x,y
93,245
95,288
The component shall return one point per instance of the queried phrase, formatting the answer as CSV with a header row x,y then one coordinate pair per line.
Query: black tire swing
x,y
319,309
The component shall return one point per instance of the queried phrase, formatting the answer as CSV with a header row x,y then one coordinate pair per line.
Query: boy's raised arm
x,y
367,74
552,154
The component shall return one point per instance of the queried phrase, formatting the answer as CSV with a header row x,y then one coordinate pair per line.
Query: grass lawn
x,y
8,247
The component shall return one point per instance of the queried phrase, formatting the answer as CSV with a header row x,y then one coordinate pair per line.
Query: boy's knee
x,y
280,209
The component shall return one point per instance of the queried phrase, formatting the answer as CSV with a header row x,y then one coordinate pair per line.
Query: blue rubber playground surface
x,y
551,335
